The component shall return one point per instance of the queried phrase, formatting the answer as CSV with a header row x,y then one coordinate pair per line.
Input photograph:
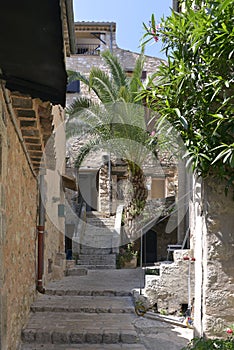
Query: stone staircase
x,y
87,312
96,244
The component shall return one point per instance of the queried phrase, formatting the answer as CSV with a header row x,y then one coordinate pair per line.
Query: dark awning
x,y
32,49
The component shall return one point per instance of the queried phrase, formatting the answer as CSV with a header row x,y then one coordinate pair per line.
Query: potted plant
x,y
127,257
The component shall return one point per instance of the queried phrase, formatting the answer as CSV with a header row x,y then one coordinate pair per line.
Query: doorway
x,y
149,256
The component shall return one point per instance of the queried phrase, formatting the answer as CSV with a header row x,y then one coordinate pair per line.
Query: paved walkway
x,y
96,312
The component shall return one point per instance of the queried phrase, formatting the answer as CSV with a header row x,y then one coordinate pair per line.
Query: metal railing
x,y
88,49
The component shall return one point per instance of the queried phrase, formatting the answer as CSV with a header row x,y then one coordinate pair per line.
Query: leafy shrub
x,y
210,344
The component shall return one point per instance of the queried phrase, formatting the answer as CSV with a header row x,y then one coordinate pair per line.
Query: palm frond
x,y
135,81
78,105
101,84
118,74
85,150
73,76
75,128
123,94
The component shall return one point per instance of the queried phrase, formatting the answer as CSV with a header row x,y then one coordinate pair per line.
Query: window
x,y
129,74
73,87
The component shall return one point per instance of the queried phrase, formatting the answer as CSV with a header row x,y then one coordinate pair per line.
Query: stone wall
x,y
18,235
19,200
214,232
54,242
170,290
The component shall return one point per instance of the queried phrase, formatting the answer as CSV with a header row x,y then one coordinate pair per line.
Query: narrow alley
x,y
95,311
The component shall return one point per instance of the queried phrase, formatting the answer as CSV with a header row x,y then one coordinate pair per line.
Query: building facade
x,y
92,38
31,109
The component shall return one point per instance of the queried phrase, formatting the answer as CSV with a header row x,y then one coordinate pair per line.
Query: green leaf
x,y
225,4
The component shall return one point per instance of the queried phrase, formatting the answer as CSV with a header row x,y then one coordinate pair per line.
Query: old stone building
x,y
32,97
95,180
91,38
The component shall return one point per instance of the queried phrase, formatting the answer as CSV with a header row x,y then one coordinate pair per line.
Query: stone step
x,y
97,241
101,222
99,267
83,347
76,328
87,292
99,233
77,271
95,251
101,259
101,219
89,304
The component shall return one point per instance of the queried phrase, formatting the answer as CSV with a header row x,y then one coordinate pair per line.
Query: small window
x,y
129,73
144,75
73,87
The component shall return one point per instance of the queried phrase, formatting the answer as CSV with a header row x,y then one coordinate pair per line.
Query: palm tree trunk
x,y
135,199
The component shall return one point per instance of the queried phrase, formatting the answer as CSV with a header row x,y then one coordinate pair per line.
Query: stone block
x,y
129,337
77,338
43,337
181,253
61,337
28,335
70,264
94,336
21,102
26,113
111,337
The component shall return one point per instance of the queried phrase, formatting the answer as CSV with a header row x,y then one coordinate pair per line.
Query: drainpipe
x,y
40,236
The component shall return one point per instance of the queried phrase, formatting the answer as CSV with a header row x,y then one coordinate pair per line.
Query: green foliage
x,y
126,253
163,312
108,88
210,344
113,119
194,89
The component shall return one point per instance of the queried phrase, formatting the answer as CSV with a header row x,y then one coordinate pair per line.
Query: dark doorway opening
x,y
149,252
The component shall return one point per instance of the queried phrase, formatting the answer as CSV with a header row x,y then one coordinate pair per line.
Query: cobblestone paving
x,y
96,312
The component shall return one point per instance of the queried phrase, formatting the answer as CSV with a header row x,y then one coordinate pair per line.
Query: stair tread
x,y
99,267
87,292
83,347
79,322
98,255
107,304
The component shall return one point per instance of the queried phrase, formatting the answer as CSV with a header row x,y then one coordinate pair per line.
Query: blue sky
x,y
129,16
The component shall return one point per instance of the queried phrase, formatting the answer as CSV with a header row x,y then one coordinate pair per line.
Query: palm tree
x,y
116,121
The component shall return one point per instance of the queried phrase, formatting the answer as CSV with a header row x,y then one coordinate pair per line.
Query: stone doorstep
x,y
92,336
